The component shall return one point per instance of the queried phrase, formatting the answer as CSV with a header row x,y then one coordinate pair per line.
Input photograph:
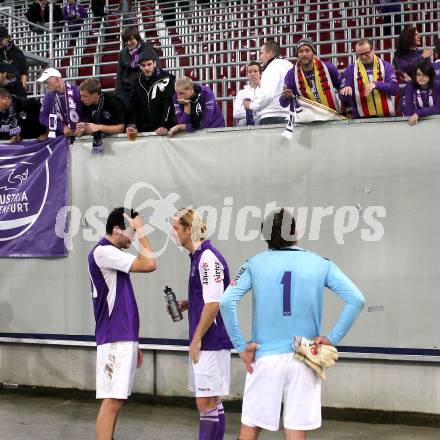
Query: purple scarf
x,y
73,9
9,122
134,55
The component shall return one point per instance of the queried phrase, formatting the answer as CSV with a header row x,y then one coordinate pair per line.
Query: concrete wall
x,y
366,384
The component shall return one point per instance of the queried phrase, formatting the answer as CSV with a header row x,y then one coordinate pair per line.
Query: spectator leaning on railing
x,y
103,114
266,104
74,15
11,54
422,93
38,13
19,117
151,97
369,85
312,78
248,93
128,63
195,106
61,108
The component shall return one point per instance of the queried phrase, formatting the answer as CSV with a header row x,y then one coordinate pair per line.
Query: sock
x,y
208,427
221,420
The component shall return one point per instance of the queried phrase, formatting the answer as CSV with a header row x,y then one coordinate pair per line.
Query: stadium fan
x,y
61,108
248,93
369,84
38,13
128,63
9,81
151,97
19,117
103,114
97,7
422,94
436,63
266,105
11,54
287,285
210,346
408,52
116,312
74,14
195,106
312,78
392,13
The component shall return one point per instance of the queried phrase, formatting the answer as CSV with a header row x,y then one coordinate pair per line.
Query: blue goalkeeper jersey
x,y
287,291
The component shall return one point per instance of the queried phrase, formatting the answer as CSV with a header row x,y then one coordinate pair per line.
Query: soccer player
x,y
116,313
209,350
287,285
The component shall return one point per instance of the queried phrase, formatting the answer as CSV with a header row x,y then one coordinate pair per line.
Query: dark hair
x,y
116,218
272,46
278,229
405,40
5,93
363,41
90,85
427,68
129,33
255,63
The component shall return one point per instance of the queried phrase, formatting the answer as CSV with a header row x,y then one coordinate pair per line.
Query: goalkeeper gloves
x,y
316,357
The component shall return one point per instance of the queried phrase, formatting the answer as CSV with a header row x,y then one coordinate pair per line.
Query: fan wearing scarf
x,y
12,55
311,78
195,106
103,113
422,94
74,14
369,85
61,108
128,63
19,117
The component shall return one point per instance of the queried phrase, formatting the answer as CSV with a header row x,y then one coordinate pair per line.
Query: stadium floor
x,y
55,417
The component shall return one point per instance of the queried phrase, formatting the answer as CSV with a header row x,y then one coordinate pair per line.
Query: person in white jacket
x,y
248,93
266,105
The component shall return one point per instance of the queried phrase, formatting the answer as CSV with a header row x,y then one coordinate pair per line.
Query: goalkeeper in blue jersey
x,y
287,285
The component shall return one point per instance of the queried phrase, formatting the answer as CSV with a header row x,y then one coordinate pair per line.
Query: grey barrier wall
x,y
365,197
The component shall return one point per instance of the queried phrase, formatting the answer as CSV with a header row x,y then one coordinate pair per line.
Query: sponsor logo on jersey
x,y
217,273
205,269
238,275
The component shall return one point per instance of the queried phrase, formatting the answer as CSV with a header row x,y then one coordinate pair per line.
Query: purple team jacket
x,y
290,83
405,63
212,116
410,103
216,338
389,86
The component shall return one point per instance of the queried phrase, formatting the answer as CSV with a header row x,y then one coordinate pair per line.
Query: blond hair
x,y
189,217
184,82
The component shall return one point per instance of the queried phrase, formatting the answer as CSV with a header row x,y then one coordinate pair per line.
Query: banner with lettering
x,y
33,187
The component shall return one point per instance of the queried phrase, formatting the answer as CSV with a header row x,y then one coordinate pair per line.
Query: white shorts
x,y
281,378
209,377
115,368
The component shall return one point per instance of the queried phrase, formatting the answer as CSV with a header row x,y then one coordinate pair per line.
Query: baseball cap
x,y
48,73
148,54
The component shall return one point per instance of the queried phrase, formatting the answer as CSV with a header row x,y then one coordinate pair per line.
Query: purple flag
x,y
33,187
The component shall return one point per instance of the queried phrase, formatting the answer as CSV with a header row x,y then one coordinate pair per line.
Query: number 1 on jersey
x,y
286,281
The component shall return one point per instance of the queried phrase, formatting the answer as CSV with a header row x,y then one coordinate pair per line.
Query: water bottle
x,y
173,306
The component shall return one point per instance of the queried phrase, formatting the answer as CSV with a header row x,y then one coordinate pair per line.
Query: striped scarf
x,y
418,99
324,85
134,56
9,121
376,103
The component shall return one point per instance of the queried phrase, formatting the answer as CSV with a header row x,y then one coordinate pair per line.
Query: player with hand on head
x,y
287,285
210,346
116,313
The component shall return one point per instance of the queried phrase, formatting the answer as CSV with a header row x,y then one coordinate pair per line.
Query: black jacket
x,y
152,101
126,74
33,13
15,58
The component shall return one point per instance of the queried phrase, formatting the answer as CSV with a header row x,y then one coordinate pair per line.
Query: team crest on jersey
x,y
205,269
240,272
217,273
106,114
